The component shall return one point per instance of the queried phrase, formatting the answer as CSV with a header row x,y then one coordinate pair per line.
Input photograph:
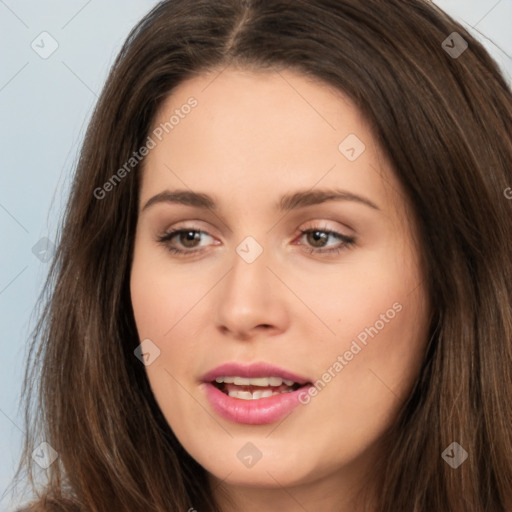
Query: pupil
x,y
318,236
190,236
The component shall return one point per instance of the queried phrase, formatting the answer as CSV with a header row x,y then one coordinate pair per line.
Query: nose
x,y
251,299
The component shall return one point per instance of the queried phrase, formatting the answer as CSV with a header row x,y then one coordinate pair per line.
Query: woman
x,y
284,277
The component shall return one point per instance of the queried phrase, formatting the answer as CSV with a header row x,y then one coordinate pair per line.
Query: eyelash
x,y
348,241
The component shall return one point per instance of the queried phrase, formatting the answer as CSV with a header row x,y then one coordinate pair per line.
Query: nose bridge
x,y
246,300
249,273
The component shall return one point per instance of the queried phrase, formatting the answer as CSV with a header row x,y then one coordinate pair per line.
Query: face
x,y
280,293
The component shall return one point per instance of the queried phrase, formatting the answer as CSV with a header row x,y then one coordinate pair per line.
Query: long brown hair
x,y
445,123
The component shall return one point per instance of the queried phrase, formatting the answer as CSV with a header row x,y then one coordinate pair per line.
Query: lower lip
x,y
253,412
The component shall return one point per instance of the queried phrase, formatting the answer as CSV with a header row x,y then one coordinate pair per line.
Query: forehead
x,y
252,132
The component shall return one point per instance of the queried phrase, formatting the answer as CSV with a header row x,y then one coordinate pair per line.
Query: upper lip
x,y
252,370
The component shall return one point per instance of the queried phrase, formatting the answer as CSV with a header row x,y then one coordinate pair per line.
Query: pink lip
x,y
251,371
252,412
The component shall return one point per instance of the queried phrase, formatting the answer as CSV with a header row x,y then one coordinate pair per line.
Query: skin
x,y
253,137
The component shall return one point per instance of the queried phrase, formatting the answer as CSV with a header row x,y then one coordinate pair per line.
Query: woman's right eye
x,y
187,237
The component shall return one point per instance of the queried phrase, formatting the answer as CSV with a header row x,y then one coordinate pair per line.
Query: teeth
x,y
261,381
247,395
257,395
267,393
244,395
264,382
227,380
241,381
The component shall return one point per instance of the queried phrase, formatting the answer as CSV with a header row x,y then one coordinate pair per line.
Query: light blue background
x,y
44,108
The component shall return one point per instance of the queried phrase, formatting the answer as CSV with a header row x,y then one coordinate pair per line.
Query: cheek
x,y
372,379
161,301
384,356
379,318
367,289
160,295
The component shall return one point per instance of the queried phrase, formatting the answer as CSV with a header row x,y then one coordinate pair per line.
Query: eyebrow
x,y
288,202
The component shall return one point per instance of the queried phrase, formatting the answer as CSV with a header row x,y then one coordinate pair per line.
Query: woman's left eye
x,y
320,235
316,238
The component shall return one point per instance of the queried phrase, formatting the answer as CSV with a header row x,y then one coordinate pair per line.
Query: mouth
x,y
256,388
255,394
